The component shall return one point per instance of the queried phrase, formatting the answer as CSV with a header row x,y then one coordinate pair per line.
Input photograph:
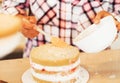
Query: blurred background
x,y
12,47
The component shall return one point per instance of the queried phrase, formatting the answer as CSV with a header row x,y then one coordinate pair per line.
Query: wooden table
x,y
103,67
12,70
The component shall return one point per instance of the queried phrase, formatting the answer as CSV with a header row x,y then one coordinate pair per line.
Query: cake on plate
x,y
56,64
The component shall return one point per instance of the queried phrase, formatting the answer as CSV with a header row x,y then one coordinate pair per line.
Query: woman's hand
x,y
103,14
29,24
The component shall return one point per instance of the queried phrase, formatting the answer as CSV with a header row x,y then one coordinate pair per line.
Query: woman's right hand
x,y
29,25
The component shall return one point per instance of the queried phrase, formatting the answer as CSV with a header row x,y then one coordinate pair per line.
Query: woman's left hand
x,y
103,14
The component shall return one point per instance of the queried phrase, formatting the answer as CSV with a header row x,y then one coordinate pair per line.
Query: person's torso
x,y
61,18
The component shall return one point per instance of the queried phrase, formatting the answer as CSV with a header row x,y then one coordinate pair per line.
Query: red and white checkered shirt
x,y
60,17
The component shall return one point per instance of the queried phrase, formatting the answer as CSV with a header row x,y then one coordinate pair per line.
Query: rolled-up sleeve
x,y
112,6
10,6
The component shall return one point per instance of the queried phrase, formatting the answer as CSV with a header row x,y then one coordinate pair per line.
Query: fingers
x,y
21,11
96,20
27,24
27,19
100,15
29,33
118,26
32,19
103,14
28,29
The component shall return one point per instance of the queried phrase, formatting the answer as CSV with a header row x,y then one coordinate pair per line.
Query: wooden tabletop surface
x,y
12,70
103,67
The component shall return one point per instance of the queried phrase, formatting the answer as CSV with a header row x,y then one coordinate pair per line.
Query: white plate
x,y
83,75
27,77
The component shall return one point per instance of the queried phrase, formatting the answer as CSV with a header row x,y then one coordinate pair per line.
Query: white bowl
x,y
97,37
9,44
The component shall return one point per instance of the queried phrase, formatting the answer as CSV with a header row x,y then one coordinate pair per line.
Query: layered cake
x,y
56,64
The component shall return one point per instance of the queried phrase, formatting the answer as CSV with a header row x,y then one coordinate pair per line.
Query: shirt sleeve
x,y
11,6
112,6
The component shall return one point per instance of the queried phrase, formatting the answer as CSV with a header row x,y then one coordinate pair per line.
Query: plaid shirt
x,y
60,17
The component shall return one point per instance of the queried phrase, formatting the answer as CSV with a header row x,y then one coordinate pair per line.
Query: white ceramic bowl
x,y
97,37
9,44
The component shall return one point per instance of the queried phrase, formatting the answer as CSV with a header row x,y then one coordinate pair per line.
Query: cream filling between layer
x,y
55,69
59,77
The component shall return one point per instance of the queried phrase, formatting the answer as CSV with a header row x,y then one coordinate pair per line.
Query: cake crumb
x,y
58,42
96,73
112,76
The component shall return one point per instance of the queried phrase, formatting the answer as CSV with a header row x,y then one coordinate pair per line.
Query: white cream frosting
x,y
80,74
55,69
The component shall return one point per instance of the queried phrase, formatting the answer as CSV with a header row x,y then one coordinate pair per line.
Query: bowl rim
x,y
96,31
